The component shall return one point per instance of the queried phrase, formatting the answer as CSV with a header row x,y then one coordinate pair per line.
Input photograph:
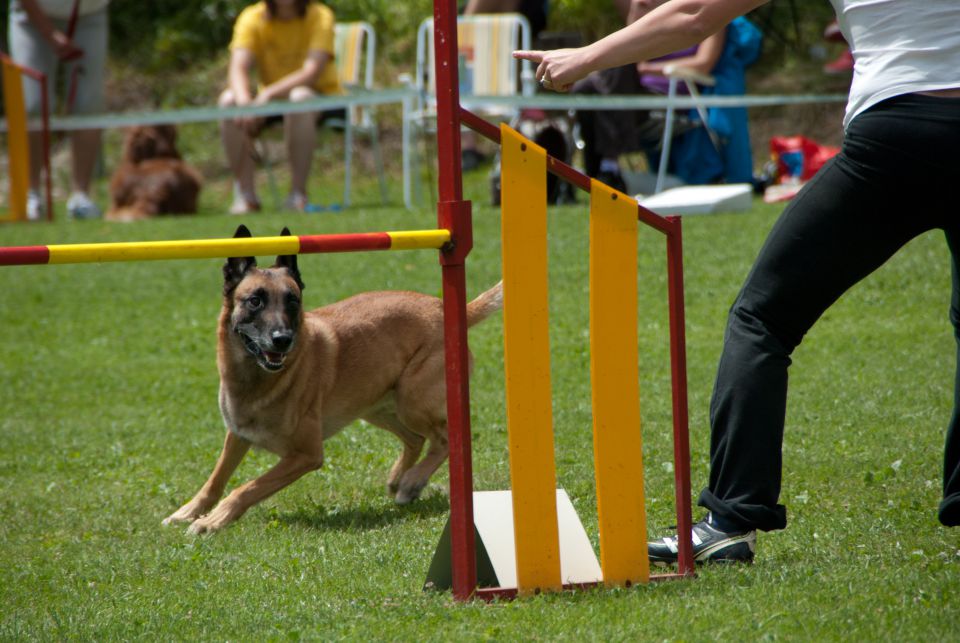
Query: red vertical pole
x,y
448,100
453,213
678,371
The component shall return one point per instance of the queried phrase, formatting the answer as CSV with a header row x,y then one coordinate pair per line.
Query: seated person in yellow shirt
x,y
290,45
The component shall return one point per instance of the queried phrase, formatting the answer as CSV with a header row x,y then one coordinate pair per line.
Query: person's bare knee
x,y
226,99
301,93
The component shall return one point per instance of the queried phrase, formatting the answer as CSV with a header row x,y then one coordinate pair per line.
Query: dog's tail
x,y
485,305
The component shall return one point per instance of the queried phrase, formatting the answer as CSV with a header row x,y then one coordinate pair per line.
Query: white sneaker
x,y
243,203
35,209
296,202
79,206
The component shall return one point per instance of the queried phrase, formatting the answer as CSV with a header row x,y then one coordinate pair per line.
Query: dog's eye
x,y
254,302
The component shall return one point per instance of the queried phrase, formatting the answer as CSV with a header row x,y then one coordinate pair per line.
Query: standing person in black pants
x,y
892,181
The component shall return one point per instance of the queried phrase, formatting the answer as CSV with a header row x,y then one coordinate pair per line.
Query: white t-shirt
x,y
899,47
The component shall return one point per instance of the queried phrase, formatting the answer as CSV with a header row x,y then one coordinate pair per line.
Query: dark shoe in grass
x,y
710,544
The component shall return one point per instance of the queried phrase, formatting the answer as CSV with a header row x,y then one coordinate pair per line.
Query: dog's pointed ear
x,y
236,267
290,262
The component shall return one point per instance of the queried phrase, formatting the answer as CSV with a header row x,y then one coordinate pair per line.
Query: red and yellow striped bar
x,y
614,376
217,248
526,348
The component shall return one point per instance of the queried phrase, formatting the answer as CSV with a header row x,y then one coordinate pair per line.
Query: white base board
x,y
496,554
700,199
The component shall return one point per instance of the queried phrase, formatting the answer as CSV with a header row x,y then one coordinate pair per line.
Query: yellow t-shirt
x,y
280,46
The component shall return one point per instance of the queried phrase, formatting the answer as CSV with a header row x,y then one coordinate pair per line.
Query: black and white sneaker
x,y
710,544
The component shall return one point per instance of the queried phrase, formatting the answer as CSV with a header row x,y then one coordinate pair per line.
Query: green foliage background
x,y
164,35
182,32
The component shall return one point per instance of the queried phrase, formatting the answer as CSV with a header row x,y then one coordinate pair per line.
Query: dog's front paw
x,y
200,527
213,521
188,512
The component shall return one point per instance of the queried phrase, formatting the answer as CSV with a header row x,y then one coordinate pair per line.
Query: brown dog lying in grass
x,y
290,379
152,179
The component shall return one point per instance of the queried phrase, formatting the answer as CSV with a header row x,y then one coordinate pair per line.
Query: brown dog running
x,y
152,178
290,379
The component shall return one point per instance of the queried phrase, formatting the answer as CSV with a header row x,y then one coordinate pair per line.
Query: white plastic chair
x,y
485,43
355,50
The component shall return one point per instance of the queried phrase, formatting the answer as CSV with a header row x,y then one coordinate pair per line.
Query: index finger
x,y
532,56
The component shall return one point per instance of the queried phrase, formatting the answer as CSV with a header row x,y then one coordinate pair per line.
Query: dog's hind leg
x,y
234,448
412,446
416,478
422,408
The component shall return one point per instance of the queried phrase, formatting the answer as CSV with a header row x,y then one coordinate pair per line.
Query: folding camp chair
x,y
690,78
355,49
486,68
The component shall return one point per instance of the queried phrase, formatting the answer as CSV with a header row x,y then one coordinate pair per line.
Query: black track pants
x,y
895,178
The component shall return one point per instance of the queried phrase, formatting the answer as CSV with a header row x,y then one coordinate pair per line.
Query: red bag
x,y
798,158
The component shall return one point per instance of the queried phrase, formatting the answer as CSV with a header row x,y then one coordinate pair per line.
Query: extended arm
x,y
670,27
238,75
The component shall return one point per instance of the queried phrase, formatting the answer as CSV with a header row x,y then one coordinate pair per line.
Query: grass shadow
x,y
366,515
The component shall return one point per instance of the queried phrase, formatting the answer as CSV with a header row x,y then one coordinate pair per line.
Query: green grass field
x,y
109,421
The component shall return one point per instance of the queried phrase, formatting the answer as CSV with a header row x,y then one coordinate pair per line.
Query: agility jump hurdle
x,y
454,214
614,226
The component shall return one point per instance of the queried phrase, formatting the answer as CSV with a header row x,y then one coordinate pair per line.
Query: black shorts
x,y
322,116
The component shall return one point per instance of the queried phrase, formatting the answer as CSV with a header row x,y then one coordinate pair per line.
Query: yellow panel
x,y
18,151
614,375
527,362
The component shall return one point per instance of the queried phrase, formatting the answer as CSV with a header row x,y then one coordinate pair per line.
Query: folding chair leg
x,y
378,159
347,158
268,169
416,169
407,154
702,112
667,137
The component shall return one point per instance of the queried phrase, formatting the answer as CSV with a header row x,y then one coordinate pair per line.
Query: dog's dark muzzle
x,y
272,358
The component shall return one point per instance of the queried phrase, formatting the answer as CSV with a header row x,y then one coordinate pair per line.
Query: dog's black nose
x,y
282,339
